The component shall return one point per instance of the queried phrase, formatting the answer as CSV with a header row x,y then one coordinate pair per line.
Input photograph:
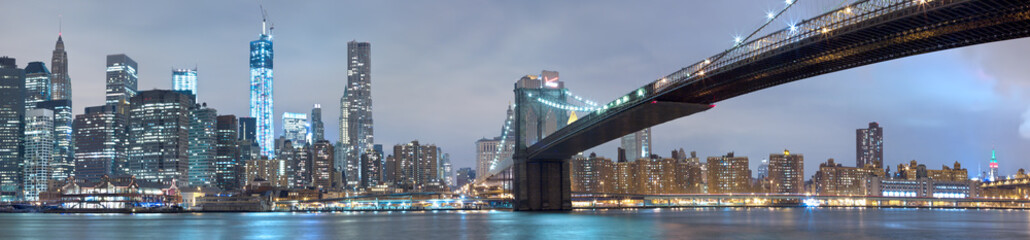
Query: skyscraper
x,y
416,165
317,126
228,166
321,165
39,147
993,174
202,144
637,145
295,128
63,162
159,123
261,90
12,117
786,172
248,129
121,79
356,107
185,80
59,79
100,140
37,84
869,146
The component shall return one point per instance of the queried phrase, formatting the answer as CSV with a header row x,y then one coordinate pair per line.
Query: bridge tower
x,y
539,184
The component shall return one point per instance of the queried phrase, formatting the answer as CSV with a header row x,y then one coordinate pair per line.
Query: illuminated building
x,y
949,174
121,79
869,146
248,129
786,172
116,193
60,81
12,131
266,171
993,175
63,163
356,129
623,178
159,123
591,174
295,128
322,165
728,174
689,174
415,165
465,176
487,150
100,140
261,100
446,173
39,147
371,169
834,179
921,188
185,80
637,144
300,167
317,126
229,165
37,84
202,144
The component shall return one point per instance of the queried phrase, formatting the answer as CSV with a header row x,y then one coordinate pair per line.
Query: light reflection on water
x,y
686,223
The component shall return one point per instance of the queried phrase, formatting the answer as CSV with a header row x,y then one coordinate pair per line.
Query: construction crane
x,y
265,26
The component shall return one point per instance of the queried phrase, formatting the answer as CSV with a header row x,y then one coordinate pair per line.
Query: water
x,y
701,223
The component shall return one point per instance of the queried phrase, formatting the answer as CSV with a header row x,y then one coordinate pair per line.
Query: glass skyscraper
x,y
158,135
12,115
37,84
121,79
202,143
356,108
228,164
295,128
100,140
317,126
637,145
63,162
185,80
261,91
39,147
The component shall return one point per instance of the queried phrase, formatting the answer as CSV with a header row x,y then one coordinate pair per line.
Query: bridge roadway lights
x,y
541,185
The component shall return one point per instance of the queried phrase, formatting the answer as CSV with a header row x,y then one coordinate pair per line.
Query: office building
x,y
202,144
261,100
834,179
60,81
992,174
356,129
185,80
37,84
637,144
63,163
100,142
295,128
12,129
322,165
465,176
39,147
229,167
869,146
121,79
490,153
159,123
317,126
786,172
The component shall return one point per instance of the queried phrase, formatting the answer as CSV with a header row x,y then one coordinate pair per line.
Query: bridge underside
x,y
541,172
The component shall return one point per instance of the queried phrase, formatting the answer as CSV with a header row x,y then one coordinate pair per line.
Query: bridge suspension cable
x,y
504,138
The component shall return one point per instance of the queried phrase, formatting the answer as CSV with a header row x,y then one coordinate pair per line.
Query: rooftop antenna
x,y
60,24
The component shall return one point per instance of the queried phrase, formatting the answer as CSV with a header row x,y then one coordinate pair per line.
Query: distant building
x,y
203,141
159,123
261,98
185,80
12,128
295,128
356,125
415,166
60,81
869,146
322,165
921,188
834,179
591,174
100,142
993,175
121,79
490,150
39,147
248,129
371,169
786,172
637,144
317,126
465,176
266,173
63,163
729,174
229,163
37,84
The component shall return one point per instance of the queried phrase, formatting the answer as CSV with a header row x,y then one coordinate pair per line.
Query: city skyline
x,y
819,115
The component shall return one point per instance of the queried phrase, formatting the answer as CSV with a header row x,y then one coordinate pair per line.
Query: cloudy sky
x,y
443,71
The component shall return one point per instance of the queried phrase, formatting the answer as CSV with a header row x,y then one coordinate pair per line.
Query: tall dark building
x,y
415,165
121,79
248,128
159,123
37,84
465,176
12,119
869,146
63,163
228,165
356,109
59,79
317,126
100,142
322,165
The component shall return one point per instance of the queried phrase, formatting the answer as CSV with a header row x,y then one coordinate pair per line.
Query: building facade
x,y
834,179
317,126
229,167
185,80
202,145
37,84
637,145
322,165
786,172
100,142
59,78
12,128
415,166
261,100
159,123
121,79
63,164
729,174
39,147
869,146
295,128
356,128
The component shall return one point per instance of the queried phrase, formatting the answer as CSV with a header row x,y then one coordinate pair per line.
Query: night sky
x,y
443,71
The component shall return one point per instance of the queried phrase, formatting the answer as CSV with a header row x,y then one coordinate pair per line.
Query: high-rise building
x,y
445,173
39,147
317,126
322,165
229,168
834,179
248,129
100,140
371,169
63,163
185,80
37,84
266,171
300,167
592,175
295,128
728,174
465,176
356,127
202,146
415,165
261,101
59,78
993,175
12,129
121,79
786,172
159,123
637,144
491,156
869,146
763,170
